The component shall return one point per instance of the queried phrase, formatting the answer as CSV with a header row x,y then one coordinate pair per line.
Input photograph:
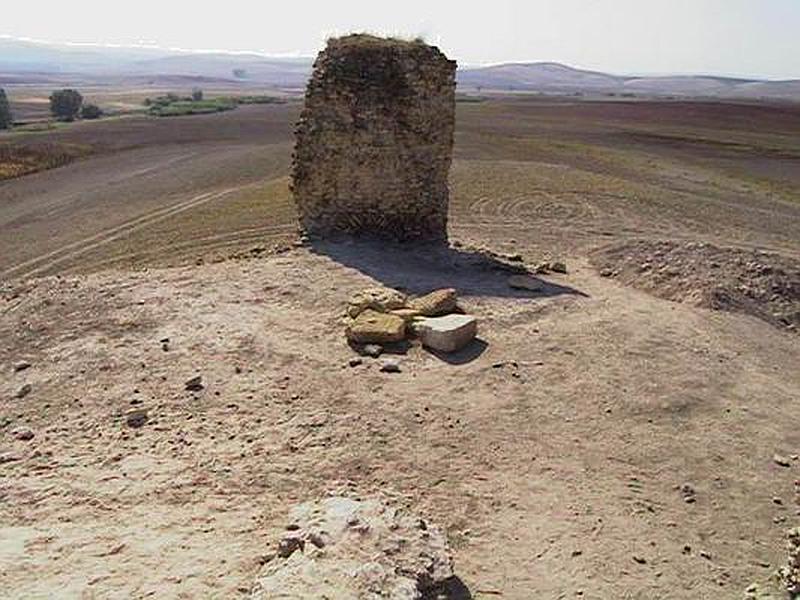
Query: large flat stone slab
x,y
373,327
446,334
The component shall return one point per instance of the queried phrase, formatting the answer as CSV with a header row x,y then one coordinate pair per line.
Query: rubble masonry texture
x,y
375,139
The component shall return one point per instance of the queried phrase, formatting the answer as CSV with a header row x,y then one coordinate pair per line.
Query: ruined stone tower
x,y
375,140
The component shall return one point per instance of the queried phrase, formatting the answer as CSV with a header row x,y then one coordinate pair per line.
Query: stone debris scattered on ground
x,y
446,334
762,284
384,316
339,548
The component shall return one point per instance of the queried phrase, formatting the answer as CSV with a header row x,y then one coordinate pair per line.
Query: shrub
x,y
17,160
91,111
258,100
190,107
65,104
5,111
197,94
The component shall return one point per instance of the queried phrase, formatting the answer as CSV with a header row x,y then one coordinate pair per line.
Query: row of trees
x,y
65,105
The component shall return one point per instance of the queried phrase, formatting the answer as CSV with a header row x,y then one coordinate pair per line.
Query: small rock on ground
x,y
781,460
136,418
391,365
372,350
195,384
24,434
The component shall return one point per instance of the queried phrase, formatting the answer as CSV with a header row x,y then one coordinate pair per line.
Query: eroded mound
x,y
340,548
752,282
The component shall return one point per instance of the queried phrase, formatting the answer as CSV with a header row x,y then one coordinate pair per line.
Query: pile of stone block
x,y
383,316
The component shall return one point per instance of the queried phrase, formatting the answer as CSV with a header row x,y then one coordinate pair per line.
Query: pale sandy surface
x,y
550,452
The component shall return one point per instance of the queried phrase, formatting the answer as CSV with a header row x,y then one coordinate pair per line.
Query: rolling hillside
x,y
32,62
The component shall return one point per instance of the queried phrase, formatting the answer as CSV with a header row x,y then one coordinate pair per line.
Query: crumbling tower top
x,y
375,139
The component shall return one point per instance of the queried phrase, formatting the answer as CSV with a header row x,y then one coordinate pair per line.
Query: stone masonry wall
x,y
375,139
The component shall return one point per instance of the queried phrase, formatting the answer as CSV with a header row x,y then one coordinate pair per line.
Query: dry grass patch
x,y
17,160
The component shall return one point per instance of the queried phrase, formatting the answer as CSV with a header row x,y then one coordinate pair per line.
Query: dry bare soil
x,y
558,452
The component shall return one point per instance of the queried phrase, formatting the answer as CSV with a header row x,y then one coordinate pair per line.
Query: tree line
x,y
65,105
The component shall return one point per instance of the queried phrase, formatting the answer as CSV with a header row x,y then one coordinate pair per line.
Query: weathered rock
x,y
781,460
448,333
378,299
391,365
342,549
195,384
24,434
21,365
289,545
375,138
371,350
438,302
525,282
136,418
23,391
374,327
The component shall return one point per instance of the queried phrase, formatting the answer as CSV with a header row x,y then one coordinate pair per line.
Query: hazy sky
x,y
746,37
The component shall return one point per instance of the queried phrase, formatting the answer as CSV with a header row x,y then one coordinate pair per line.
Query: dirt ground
x,y
552,451
569,175
598,441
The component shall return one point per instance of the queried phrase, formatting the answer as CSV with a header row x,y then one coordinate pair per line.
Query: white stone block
x,y
448,333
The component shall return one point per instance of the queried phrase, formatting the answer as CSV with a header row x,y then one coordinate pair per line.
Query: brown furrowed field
x,y
567,174
628,431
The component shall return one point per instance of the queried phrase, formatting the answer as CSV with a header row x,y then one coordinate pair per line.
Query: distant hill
x,y
280,72
21,56
39,61
536,76
34,62
557,78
